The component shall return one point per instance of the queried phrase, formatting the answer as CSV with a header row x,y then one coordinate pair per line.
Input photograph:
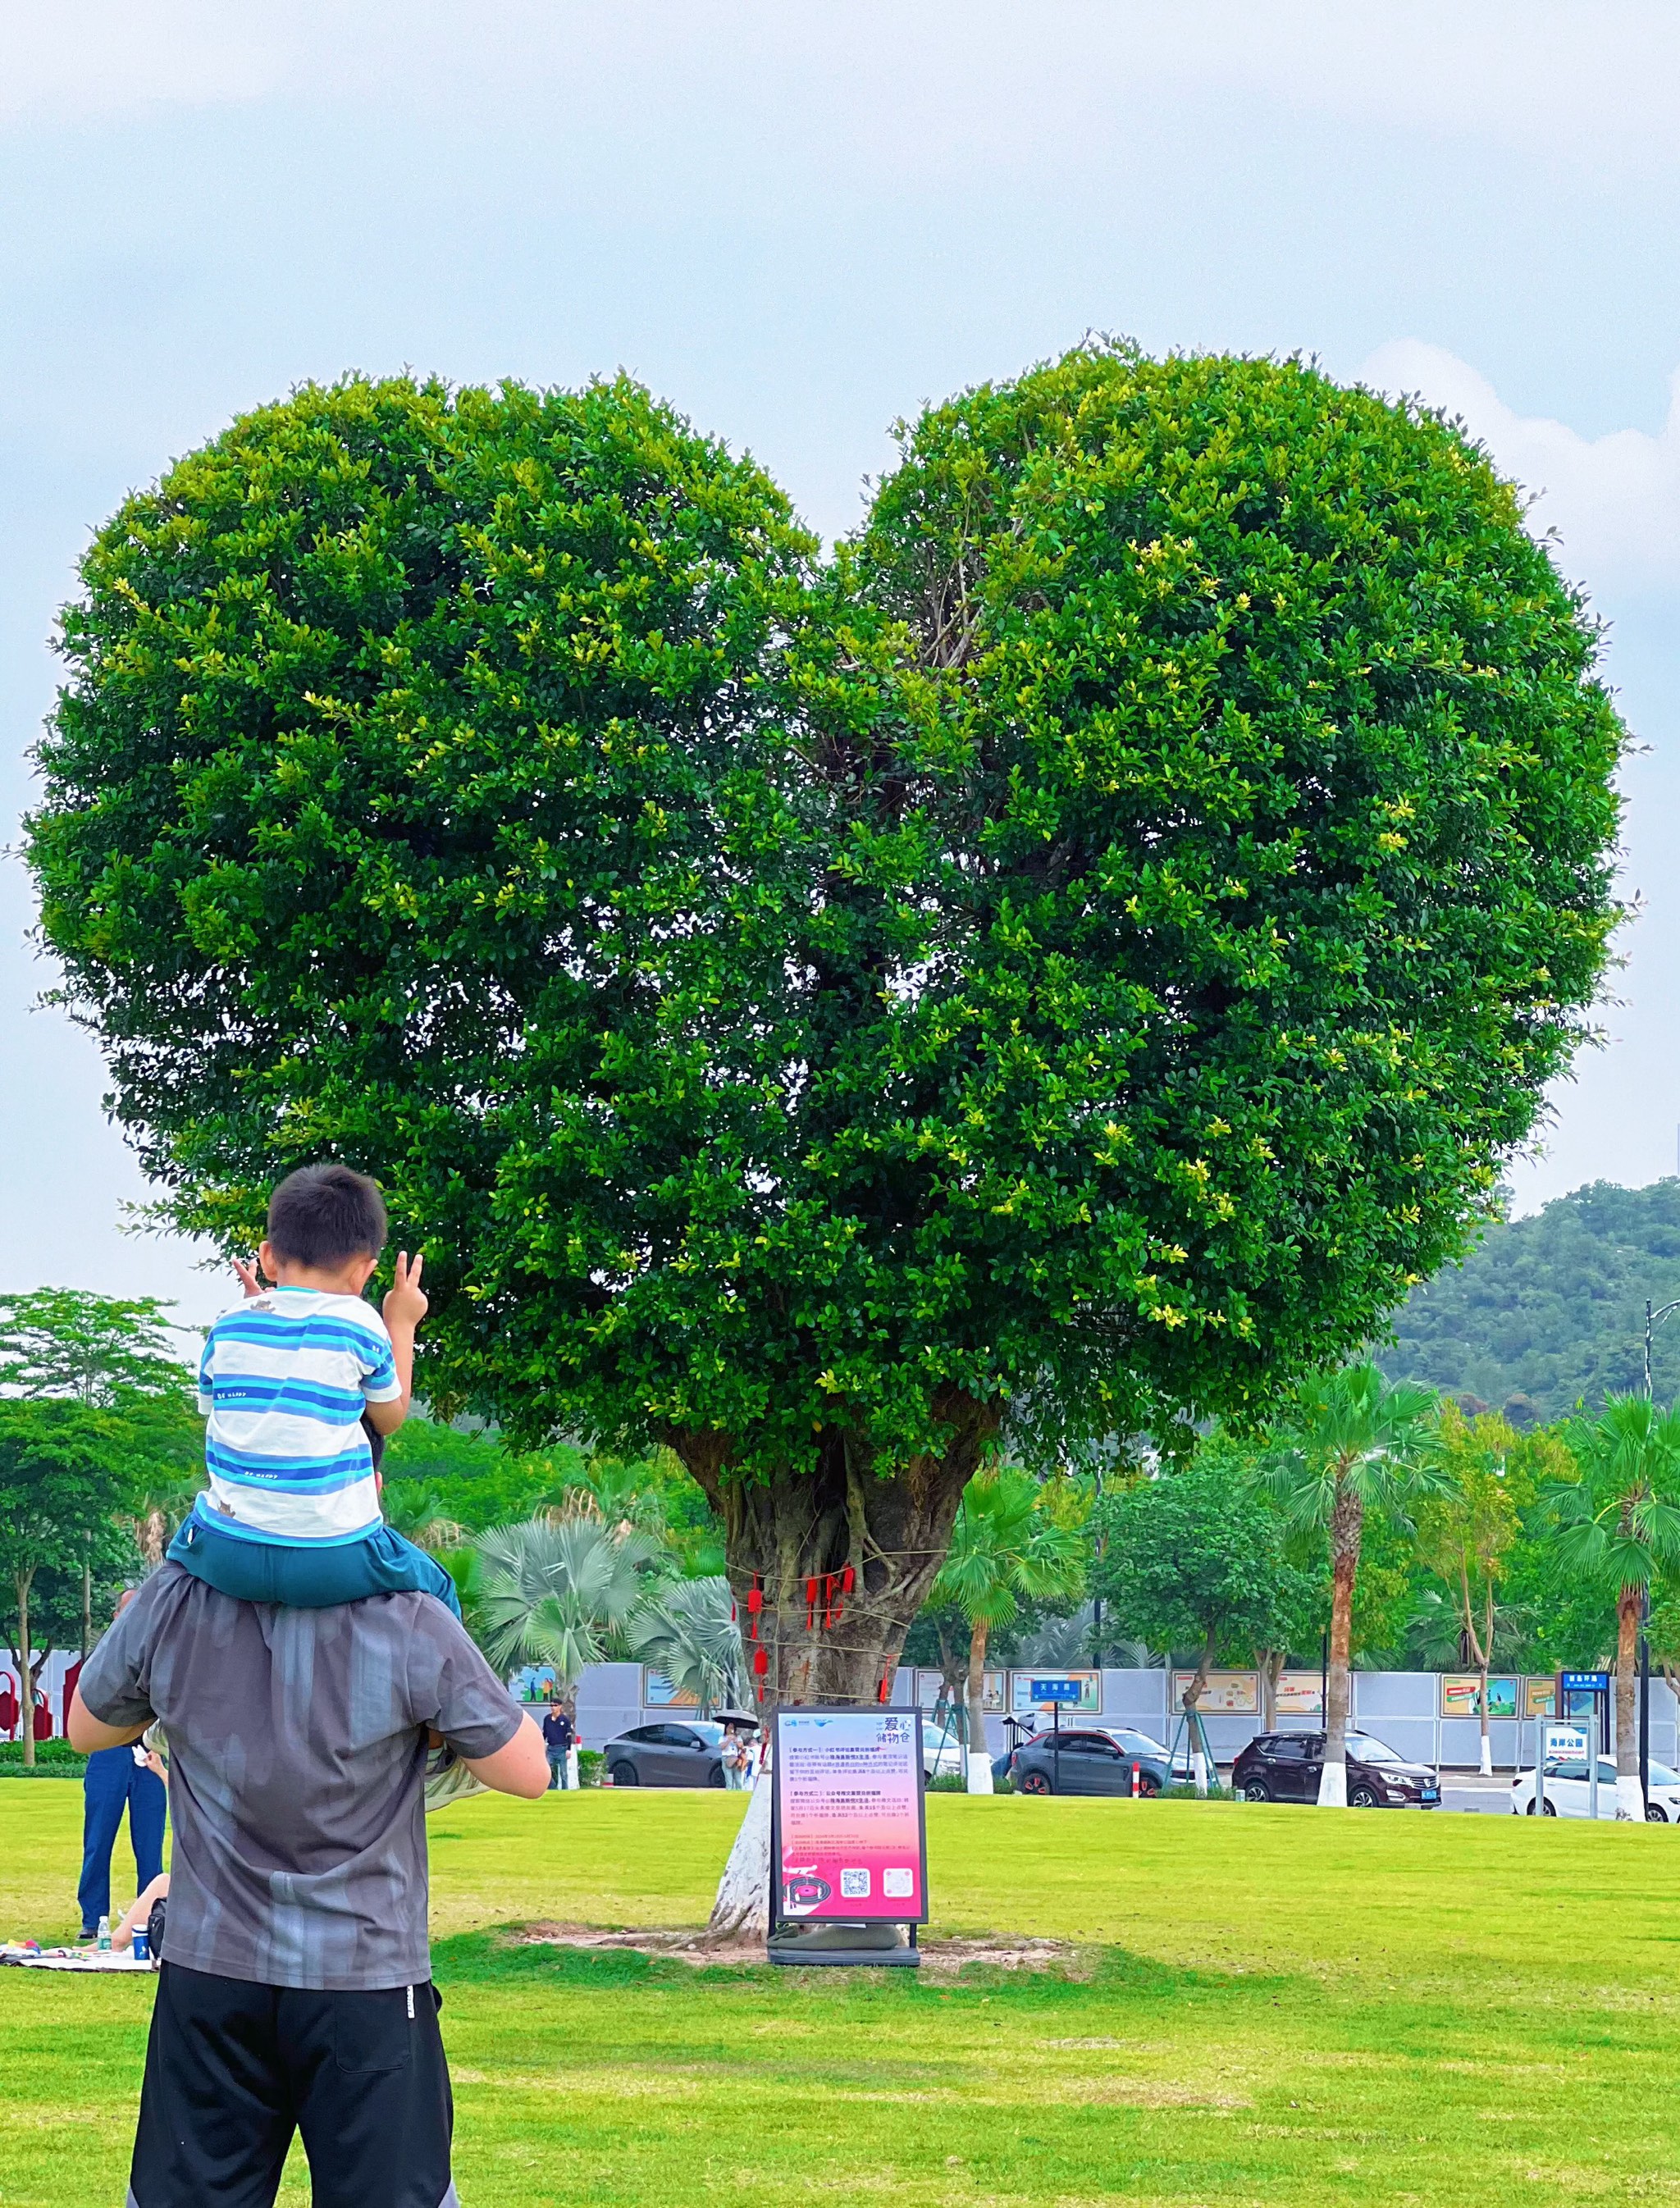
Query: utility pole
x,y
1645,1697
1653,1319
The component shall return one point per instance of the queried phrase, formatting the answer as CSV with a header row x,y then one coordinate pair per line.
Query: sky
x,y
797,222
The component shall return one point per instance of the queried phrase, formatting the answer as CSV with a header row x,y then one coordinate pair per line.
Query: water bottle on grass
x,y
103,1942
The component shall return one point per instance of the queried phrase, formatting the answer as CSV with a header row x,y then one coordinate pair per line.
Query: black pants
x,y
233,2069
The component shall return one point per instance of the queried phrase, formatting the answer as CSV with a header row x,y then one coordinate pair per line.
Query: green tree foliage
x,y
97,1350
689,1631
420,1513
1355,1445
1196,1560
1467,1534
564,1591
1073,960
1549,1312
64,1472
113,1353
1617,1528
1013,1538
479,1483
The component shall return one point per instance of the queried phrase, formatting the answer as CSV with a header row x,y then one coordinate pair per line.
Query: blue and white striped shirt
x,y
283,1381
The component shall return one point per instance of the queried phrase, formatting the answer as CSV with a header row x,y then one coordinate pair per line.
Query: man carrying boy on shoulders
x,y
296,1992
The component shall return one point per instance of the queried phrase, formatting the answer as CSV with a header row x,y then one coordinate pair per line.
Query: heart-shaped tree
x,y
1062,966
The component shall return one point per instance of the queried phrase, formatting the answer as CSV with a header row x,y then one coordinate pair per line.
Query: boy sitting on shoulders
x,y
291,1513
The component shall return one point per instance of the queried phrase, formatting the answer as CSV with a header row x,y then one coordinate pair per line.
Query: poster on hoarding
x,y
1540,1698
932,1689
1461,1696
847,1836
658,1693
1023,1702
1301,1695
1226,1693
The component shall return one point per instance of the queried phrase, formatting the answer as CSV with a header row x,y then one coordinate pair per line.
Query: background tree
x,y
63,1471
1356,1443
96,1350
1013,1538
1467,1533
690,1633
420,1512
1548,1312
1618,1527
1194,1560
563,1591
1072,961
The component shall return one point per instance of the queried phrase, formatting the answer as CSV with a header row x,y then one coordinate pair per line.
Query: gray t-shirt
x,y
296,1753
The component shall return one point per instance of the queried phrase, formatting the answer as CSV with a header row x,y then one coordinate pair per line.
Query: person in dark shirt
x,y
296,1991
559,1736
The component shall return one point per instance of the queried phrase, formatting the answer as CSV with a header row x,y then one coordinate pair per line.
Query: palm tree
x,y
688,1632
166,1495
415,1508
1005,1545
563,1591
1618,1526
1356,1443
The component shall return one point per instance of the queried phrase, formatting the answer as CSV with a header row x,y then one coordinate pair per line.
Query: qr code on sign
x,y
897,1883
855,1885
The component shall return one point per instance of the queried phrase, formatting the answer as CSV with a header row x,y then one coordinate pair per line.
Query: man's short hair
x,y
324,1216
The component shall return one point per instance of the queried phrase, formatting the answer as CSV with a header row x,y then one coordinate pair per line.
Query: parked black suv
x,y
1286,1767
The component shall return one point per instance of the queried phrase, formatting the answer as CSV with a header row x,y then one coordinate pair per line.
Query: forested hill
x,y
1551,1309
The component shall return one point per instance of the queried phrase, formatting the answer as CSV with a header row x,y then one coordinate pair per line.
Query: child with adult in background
x,y
290,1514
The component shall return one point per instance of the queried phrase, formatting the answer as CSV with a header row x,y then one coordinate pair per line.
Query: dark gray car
x,y
666,1755
1088,1760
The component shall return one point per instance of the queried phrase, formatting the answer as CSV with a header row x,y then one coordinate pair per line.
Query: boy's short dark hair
x,y
325,1215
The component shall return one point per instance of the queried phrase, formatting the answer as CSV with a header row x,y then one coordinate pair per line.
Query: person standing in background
x,y
558,1735
118,1779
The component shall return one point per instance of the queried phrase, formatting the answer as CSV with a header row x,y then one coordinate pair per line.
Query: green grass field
x,y
1267,2005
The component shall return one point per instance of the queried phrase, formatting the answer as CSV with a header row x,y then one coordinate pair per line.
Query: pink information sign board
x,y
850,1840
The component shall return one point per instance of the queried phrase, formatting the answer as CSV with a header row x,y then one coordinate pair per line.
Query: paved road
x,y
1487,1797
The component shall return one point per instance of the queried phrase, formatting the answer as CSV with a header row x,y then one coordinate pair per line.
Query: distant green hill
x,y
1551,1309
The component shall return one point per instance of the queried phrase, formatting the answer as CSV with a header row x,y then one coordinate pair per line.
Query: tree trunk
x,y
1192,1700
790,1540
1270,1662
1480,1649
152,1537
22,1582
977,1764
1629,1801
1346,1526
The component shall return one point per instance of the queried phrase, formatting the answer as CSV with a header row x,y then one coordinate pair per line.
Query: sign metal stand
x,y
1055,1692
798,1938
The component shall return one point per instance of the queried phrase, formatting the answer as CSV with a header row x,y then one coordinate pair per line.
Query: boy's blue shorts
x,y
309,1579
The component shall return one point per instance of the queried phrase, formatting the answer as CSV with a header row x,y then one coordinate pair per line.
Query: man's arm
x,y
521,1768
87,1732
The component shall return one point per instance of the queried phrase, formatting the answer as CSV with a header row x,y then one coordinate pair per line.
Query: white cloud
x,y
975,77
1613,500
96,58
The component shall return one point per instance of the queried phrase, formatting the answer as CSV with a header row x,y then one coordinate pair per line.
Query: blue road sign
x,y
1057,1690
1586,1682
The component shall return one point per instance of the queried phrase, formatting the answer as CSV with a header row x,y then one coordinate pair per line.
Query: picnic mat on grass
x,y
71,1958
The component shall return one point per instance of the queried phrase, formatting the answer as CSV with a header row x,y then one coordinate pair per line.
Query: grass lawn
x,y
1270,2005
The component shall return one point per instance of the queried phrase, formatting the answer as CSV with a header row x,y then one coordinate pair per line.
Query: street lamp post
x,y
1653,1319
1645,1698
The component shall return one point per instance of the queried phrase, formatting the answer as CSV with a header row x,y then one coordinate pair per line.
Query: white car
x,y
1569,1792
942,1755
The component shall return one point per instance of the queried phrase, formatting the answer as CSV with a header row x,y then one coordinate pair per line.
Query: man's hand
x,y
249,1280
406,1303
